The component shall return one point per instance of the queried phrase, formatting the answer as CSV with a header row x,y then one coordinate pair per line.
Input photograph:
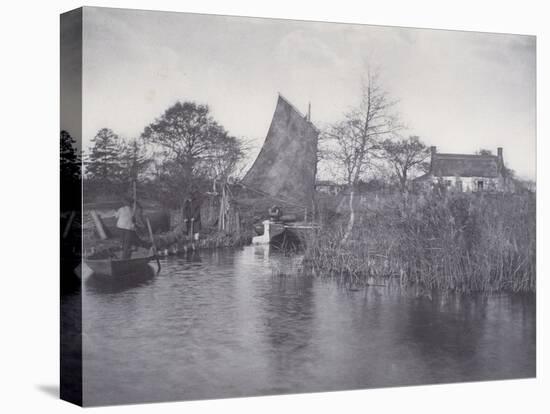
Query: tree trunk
x,y
351,217
404,181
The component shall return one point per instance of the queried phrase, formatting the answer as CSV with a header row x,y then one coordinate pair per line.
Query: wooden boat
x,y
285,234
301,230
284,173
115,266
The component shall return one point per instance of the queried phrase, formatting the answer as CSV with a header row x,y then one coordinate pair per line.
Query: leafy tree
x,y
70,170
226,155
103,164
192,146
69,158
134,161
404,155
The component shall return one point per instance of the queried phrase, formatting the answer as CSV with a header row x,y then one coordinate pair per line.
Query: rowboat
x,y
115,266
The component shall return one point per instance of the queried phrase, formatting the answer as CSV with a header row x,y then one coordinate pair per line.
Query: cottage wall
x,y
470,184
467,173
328,189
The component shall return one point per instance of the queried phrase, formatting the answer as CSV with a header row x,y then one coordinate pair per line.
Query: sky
x,y
459,91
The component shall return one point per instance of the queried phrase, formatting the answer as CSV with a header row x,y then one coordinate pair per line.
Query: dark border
x,y
71,206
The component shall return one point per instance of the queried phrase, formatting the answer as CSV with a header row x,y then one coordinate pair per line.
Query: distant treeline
x,y
182,150
186,149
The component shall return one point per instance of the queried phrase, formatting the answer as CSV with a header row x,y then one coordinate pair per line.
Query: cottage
x,y
328,187
466,172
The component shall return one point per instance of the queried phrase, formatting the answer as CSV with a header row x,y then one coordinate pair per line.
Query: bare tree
x,y
404,155
359,135
362,130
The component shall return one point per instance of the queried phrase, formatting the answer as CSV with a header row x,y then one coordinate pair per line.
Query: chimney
x,y
433,151
500,159
309,112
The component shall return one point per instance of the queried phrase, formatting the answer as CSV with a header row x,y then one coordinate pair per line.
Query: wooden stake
x,y
221,221
150,230
153,242
98,225
135,194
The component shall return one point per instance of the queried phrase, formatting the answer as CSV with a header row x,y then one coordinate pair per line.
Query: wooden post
x,y
221,224
223,208
150,230
193,233
153,243
98,225
135,194
237,223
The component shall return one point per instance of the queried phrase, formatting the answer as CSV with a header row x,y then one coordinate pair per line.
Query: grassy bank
x,y
461,242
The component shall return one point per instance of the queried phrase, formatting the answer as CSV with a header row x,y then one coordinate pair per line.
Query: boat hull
x,y
119,267
302,232
292,235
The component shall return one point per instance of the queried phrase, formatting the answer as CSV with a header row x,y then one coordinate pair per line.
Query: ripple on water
x,y
235,323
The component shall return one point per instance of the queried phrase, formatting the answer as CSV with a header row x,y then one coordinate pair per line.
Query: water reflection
x,y
98,283
224,324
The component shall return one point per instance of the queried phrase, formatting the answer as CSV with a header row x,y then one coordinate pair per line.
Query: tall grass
x,y
461,242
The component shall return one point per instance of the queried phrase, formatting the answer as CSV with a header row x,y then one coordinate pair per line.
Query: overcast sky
x,y
460,91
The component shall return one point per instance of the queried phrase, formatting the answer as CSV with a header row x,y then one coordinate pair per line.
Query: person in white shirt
x,y
126,223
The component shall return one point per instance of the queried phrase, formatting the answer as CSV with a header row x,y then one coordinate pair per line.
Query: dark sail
x,y
287,163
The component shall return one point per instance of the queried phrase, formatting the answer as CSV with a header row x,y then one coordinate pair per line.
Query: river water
x,y
241,323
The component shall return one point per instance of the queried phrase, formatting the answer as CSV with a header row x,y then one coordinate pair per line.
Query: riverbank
x,y
176,241
459,242
463,242
170,239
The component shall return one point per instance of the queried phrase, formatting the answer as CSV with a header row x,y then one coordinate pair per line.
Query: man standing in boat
x,y
126,223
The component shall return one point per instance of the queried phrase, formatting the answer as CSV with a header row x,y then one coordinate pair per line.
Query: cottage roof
x,y
465,165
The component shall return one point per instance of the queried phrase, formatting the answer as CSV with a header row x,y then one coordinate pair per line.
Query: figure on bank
x,y
192,214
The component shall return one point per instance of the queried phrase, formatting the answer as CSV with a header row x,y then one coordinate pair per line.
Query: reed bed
x,y
455,241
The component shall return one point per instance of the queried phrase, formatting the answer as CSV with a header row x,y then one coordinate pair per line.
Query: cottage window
x,y
459,185
448,183
480,185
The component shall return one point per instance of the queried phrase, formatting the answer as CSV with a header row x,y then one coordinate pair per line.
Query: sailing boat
x,y
285,170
